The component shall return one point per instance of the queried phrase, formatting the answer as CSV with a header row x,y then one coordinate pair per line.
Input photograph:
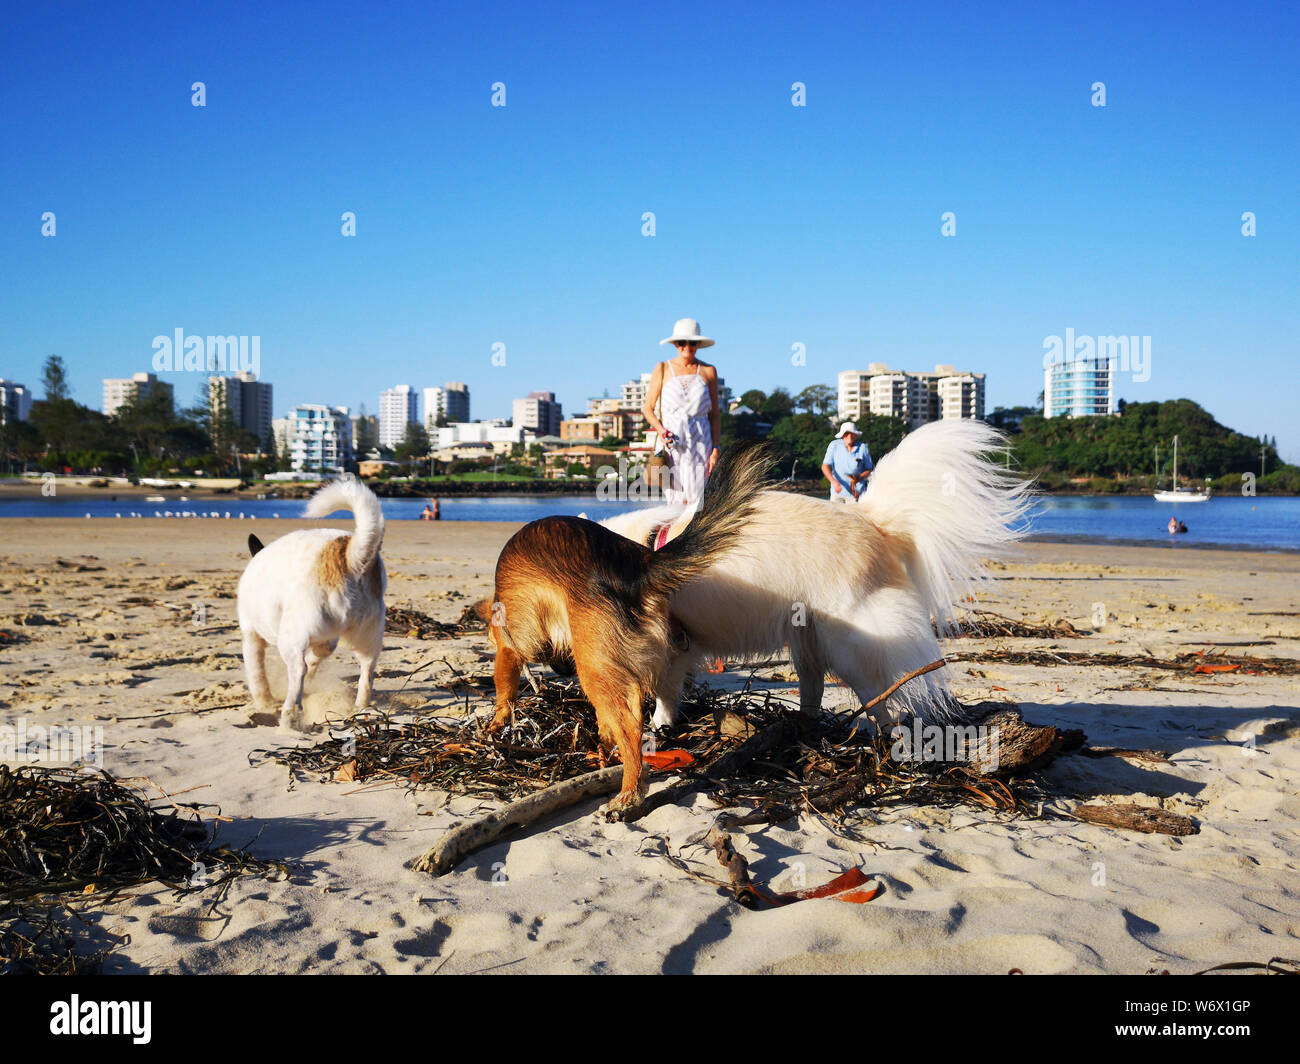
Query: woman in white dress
x,y
688,421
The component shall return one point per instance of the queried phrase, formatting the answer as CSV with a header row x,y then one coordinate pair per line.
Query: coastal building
x,y
539,413
118,392
1080,387
319,438
447,404
916,397
247,400
15,401
477,435
397,412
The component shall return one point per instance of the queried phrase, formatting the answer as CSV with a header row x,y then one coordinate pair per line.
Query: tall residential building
x,y
915,397
247,399
15,401
450,404
1080,387
119,392
539,412
397,412
319,438
634,393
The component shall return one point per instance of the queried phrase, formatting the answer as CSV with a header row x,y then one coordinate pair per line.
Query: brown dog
x,y
567,586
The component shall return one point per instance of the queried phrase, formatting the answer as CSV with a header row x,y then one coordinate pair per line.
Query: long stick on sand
x,y
464,839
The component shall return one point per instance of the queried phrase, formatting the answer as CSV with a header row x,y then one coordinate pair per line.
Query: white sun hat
x,y
687,329
848,426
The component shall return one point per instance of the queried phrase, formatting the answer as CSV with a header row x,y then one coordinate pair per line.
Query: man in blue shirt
x,y
847,464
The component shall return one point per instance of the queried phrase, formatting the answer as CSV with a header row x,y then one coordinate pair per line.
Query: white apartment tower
x,y
397,412
1080,387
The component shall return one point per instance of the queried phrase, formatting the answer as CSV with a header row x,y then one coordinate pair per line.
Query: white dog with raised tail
x,y
851,590
309,589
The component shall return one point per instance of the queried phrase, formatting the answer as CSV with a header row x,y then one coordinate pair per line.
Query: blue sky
x,y
775,225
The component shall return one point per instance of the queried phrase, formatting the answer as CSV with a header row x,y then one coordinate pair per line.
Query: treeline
x,y
144,437
1124,448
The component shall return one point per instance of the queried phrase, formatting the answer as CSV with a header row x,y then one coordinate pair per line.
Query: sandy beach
x,y
130,625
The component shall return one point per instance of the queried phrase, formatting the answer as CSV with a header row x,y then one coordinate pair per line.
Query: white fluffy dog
x,y
851,589
309,589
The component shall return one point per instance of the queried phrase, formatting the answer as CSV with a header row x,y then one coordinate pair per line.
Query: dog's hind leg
x,y
367,651
505,674
255,668
295,667
806,655
614,695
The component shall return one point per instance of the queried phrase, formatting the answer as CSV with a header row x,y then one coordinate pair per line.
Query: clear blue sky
x,y
775,224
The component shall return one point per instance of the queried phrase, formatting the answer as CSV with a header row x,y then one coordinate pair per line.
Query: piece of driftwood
x,y
1006,744
895,686
742,889
1158,757
464,839
1137,818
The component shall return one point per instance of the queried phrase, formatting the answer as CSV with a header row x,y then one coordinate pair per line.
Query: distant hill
x,y
1122,449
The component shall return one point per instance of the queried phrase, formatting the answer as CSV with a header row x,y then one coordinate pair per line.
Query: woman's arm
x,y
655,387
715,415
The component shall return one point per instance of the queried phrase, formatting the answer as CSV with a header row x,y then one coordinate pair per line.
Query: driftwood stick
x,y
1137,818
464,839
895,686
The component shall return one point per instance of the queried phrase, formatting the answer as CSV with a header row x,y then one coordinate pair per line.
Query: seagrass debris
x,y
411,623
1189,662
65,830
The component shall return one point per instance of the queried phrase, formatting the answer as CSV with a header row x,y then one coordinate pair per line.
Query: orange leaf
x,y
999,688
717,665
665,760
852,886
1216,668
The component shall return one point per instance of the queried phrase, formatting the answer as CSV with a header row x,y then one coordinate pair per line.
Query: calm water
x,y
1226,521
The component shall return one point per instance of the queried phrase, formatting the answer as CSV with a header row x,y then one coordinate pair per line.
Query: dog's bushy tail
x,y
724,510
943,490
369,534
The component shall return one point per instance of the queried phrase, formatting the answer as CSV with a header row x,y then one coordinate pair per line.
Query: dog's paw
x,y
623,803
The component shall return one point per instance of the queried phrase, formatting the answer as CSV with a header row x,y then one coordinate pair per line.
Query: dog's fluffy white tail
x,y
354,496
942,490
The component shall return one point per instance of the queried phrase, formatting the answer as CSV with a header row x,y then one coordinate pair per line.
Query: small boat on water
x,y
1178,494
155,498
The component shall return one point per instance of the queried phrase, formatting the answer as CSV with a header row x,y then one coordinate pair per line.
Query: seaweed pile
x,y
985,624
832,767
65,831
411,623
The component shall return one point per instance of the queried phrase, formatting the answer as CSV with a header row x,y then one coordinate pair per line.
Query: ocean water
x,y
1268,523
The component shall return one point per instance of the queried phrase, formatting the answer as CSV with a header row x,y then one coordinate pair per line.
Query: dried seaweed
x,y
833,767
48,939
67,830
985,624
411,623
1189,663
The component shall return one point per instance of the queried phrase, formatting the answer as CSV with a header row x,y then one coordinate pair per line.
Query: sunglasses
x,y
687,343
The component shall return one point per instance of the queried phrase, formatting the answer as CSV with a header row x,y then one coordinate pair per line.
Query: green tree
x,y
54,379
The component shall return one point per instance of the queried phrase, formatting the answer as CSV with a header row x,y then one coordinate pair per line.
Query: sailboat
x,y
1178,494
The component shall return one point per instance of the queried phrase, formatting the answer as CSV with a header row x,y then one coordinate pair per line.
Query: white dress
x,y
684,406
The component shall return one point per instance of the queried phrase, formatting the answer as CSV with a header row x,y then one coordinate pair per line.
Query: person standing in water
x,y
688,421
